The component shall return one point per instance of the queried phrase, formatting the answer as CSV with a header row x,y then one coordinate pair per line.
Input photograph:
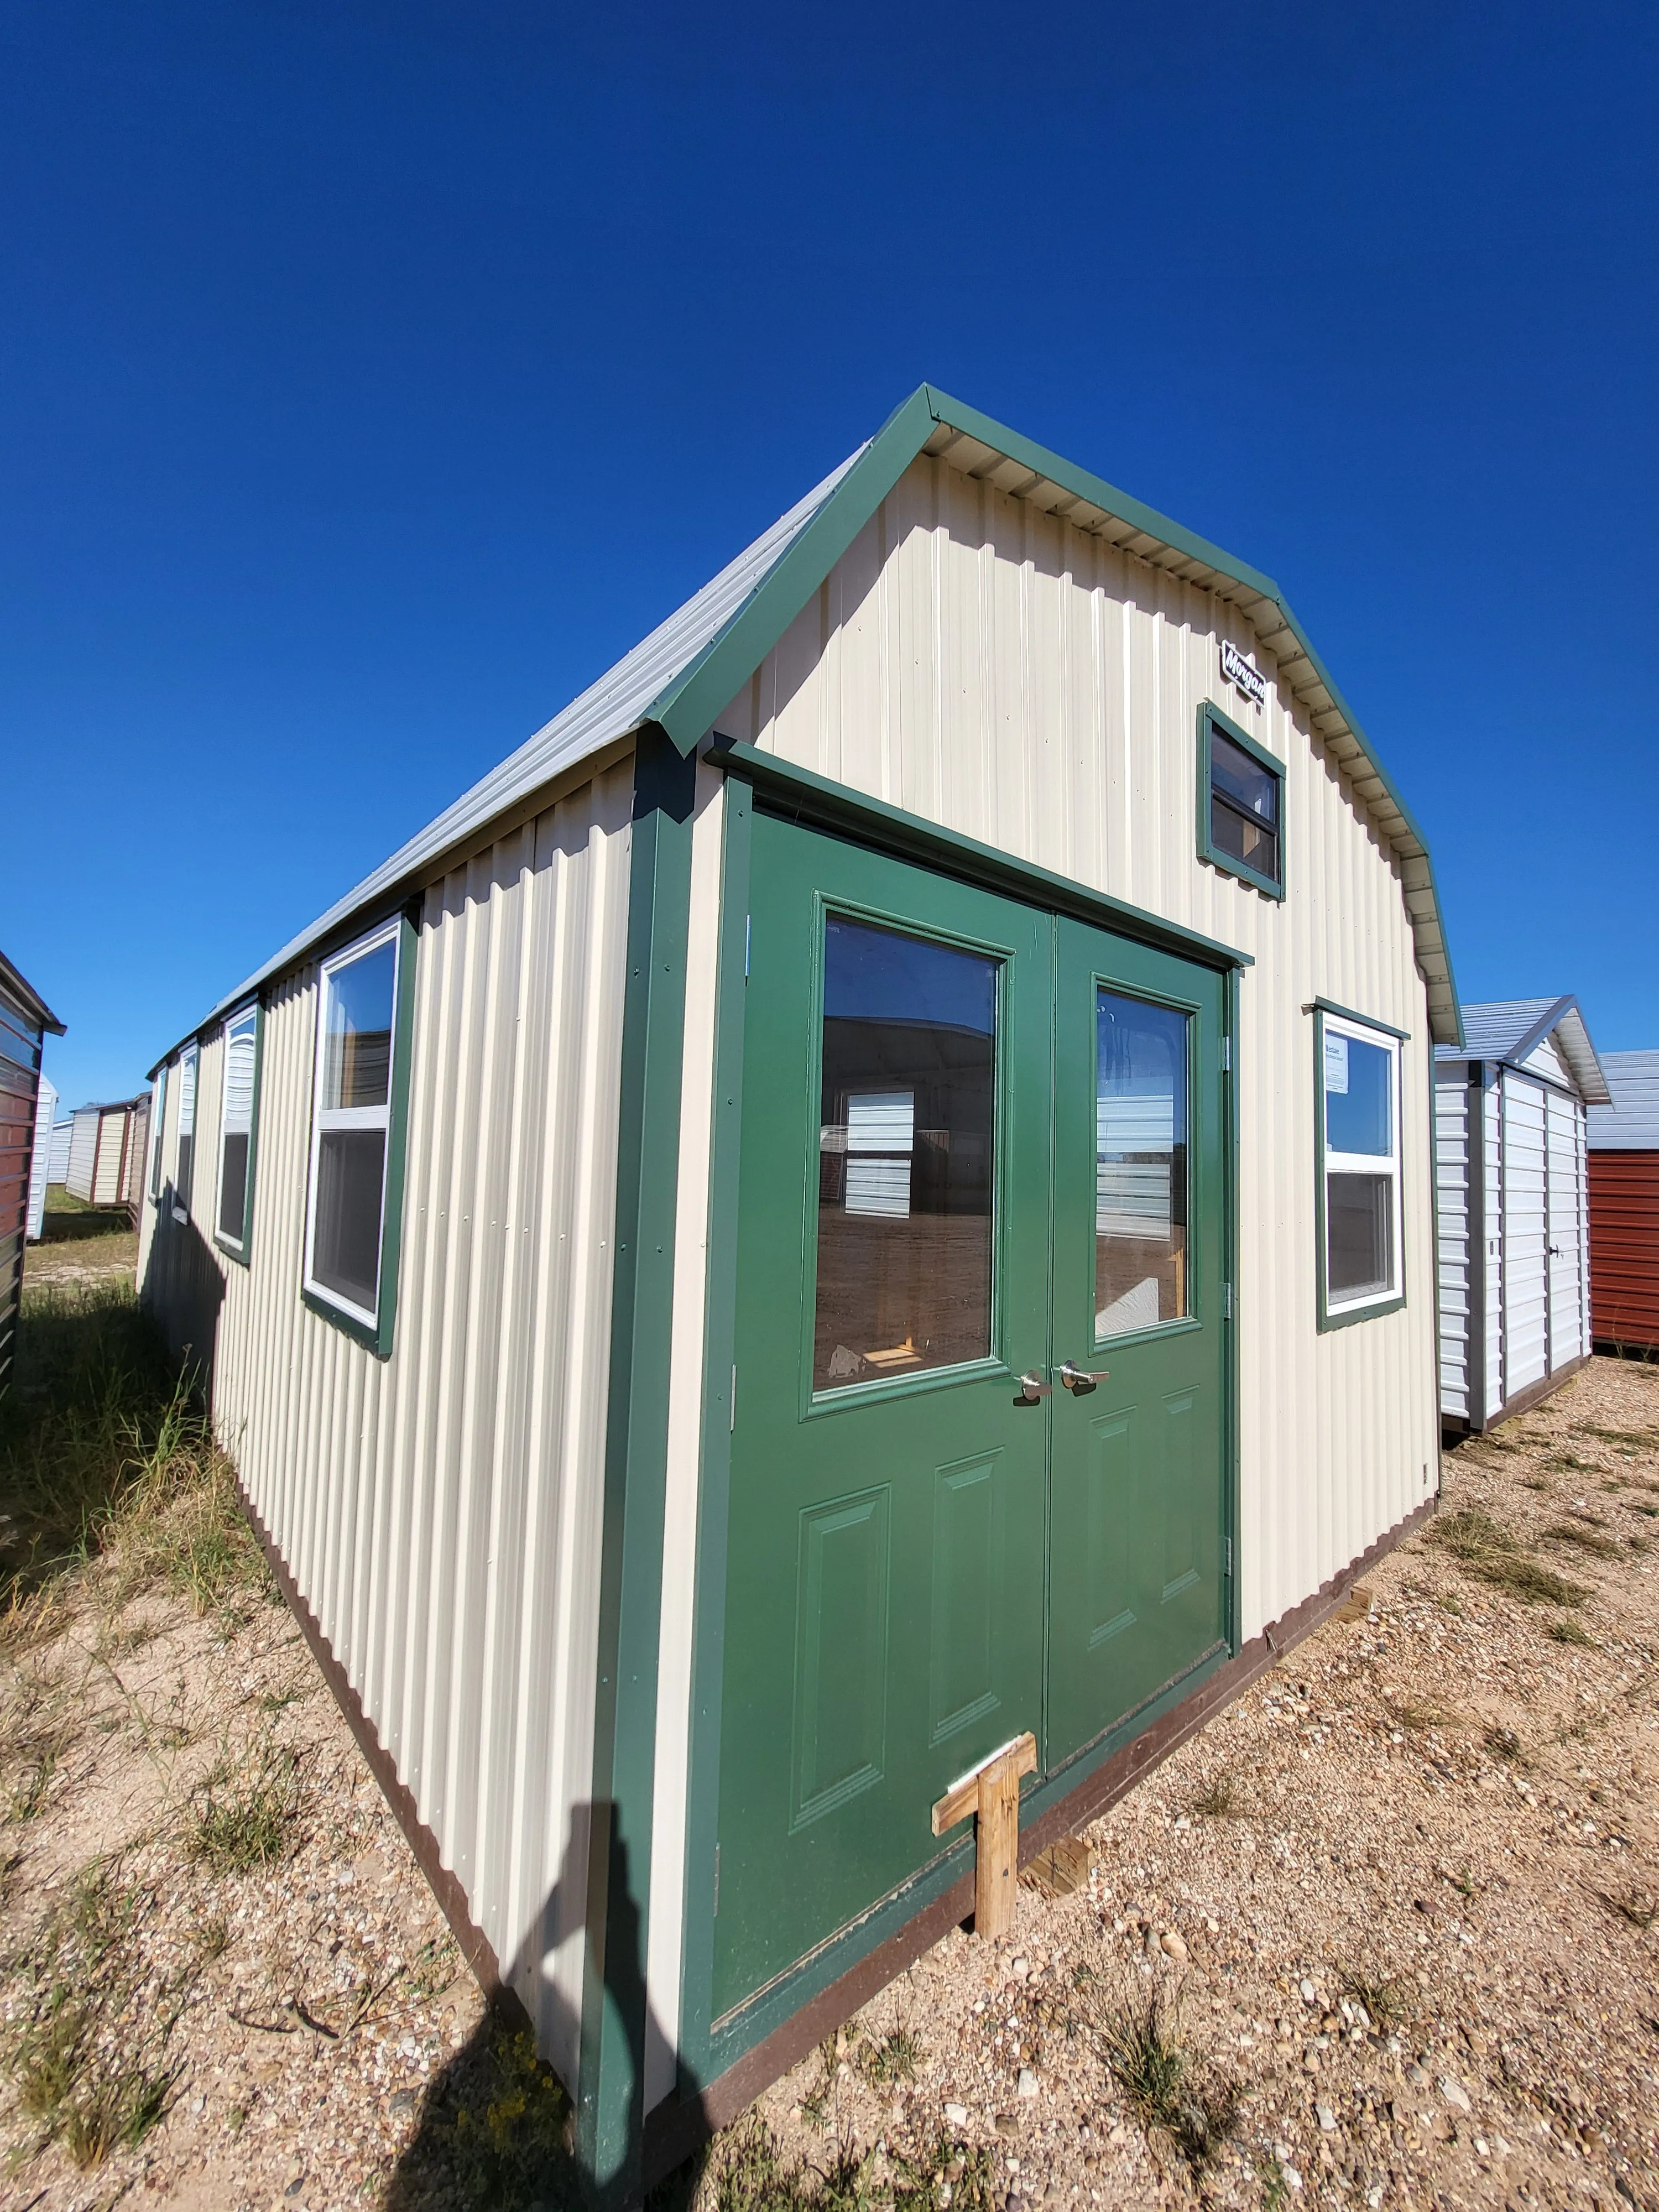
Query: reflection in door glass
x,y
905,1166
1141,1164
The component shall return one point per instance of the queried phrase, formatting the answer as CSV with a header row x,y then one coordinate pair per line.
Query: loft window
x,y
1360,1218
184,1174
241,1075
1241,795
355,1167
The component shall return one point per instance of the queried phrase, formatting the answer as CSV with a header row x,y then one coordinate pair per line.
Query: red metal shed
x,y
1624,1206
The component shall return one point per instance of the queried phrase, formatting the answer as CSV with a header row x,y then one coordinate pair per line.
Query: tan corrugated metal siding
x,y
441,1510
989,666
1624,1218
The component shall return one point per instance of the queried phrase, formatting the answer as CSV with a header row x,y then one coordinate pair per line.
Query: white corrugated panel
x,y
1569,1229
1451,1174
1631,1124
82,1153
114,1125
987,666
1525,1303
58,1167
441,1510
1493,1269
1543,1060
46,1105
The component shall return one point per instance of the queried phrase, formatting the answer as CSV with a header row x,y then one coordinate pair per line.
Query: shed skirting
x,y
674,2130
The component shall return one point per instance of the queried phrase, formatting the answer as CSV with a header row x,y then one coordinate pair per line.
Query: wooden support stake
x,y
991,1791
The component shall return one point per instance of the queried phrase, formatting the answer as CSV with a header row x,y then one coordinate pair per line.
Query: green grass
x,y
1484,1547
1585,1540
1172,2093
87,2048
242,1814
108,1462
749,2173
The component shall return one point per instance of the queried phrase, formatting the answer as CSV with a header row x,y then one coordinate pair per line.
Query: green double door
x,y
977,1480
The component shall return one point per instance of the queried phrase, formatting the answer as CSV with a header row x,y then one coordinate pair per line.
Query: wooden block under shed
x,y
1357,1604
1063,1869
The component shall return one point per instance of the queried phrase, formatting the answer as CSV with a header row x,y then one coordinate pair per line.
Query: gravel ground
x,y
1396,1907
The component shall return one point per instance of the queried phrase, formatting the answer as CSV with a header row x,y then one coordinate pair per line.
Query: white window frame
x,y
1356,1304
190,1078
351,1117
246,1015
159,1114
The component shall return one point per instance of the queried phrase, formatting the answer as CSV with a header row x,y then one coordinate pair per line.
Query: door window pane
x,y
905,1156
1141,1164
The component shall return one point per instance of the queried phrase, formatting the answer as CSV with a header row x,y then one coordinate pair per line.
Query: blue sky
x,y
371,376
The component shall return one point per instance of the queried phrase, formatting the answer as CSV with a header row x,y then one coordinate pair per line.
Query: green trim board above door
x,y
919,1250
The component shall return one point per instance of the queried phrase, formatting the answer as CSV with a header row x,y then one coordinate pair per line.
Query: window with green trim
x,y
351,1127
1359,1167
1241,794
183,1172
240,1049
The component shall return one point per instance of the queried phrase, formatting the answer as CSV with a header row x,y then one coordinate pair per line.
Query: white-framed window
x,y
1360,1211
158,1132
351,1125
184,1173
242,1060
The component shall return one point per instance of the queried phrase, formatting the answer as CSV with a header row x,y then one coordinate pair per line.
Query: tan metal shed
x,y
692,1098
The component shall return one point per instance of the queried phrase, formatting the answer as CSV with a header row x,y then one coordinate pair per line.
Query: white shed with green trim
x,y
867,1194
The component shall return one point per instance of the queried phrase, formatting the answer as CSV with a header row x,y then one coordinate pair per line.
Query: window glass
x,y
1243,806
1360,1226
353,1126
185,1174
158,1134
1359,1079
1141,1164
1359,1095
237,1130
357,1047
906,1156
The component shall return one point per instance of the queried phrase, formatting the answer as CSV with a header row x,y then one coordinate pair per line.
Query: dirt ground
x,y
80,1244
1384,1934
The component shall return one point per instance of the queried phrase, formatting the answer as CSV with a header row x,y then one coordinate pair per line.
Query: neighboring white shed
x,y
82,1152
1514,1206
58,1165
45,1106
105,1151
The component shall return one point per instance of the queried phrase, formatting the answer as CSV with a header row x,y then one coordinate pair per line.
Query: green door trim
x,y
610,2086
815,800
708,2047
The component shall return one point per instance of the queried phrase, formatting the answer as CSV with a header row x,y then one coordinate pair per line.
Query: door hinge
x,y
1227,1301
748,924
1226,1054
734,1397
1229,1555
717,1878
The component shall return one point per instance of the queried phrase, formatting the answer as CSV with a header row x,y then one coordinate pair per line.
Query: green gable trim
x,y
686,708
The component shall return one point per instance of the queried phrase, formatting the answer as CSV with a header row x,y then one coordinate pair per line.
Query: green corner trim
x,y
242,1253
610,2083
811,797
1210,717
1349,1315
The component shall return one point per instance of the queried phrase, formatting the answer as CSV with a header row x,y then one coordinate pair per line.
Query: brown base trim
x,y
676,2129
1534,1394
475,1945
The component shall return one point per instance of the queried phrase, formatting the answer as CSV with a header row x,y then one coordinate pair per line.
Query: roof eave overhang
x,y
1574,1045
931,421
